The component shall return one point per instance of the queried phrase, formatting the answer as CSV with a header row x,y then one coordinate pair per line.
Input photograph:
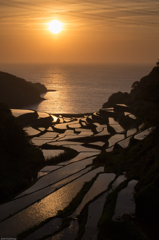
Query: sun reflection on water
x,y
79,88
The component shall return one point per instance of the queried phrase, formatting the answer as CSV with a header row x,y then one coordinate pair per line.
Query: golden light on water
x,y
55,26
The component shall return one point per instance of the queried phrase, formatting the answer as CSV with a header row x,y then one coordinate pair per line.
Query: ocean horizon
x,y
80,88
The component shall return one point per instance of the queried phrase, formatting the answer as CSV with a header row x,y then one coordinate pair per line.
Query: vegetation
x,y
16,92
19,159
143,98
118,97
140,161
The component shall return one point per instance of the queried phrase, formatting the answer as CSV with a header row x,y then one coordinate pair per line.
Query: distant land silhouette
x,y
17,92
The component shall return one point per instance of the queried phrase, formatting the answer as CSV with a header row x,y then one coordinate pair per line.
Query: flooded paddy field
x,y
67,189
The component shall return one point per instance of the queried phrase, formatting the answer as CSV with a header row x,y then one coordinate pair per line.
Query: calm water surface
x,y
79,88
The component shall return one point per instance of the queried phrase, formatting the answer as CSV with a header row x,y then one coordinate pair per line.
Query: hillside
x,y
140,160
121,141
17,92
19,159
144,94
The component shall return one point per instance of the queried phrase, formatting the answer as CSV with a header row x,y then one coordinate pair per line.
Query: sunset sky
x,y
98,31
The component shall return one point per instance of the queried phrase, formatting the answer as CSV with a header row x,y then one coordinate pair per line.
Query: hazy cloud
x,y
101,12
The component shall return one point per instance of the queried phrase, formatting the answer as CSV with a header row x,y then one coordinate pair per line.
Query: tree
x,y
135,84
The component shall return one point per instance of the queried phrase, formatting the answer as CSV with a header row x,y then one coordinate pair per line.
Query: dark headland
x,y
20,160
17,92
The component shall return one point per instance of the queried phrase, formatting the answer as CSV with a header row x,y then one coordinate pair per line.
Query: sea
x,y
79,88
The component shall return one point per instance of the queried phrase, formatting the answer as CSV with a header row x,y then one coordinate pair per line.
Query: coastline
x,y
109,144
80,88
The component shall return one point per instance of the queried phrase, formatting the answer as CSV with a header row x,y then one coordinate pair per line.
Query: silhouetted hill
x,y
17,92
138,92
141,89
143,98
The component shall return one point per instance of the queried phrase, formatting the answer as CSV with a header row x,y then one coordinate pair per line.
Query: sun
x,y
55,26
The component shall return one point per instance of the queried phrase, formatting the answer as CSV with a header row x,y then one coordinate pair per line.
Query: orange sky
x,y
100,31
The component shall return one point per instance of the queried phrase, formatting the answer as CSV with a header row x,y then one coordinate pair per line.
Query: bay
x,y
79,88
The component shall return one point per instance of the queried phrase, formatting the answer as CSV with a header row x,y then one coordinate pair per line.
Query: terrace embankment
x,y
106,158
